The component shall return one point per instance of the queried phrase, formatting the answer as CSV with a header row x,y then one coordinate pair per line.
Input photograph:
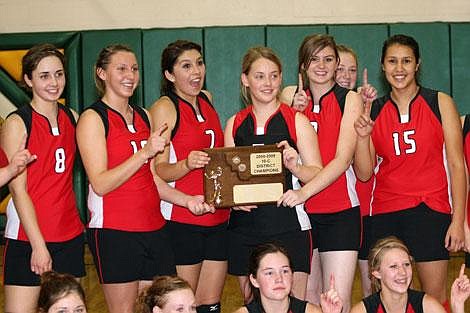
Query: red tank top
x,y
135,205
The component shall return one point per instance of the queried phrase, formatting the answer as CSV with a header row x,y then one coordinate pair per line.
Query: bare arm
x,y
454,153
342,160
92,145
12,134
307,145
431,305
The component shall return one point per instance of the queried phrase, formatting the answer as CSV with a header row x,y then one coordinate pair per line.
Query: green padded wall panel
x,y
92,43
366,41
154,41
27,40
224,49
460,57
285,41
434,46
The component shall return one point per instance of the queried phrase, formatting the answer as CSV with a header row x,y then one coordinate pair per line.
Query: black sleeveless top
x,y
295,306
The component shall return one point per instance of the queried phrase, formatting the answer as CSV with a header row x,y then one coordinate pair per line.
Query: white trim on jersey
x,y
167,207
95,205
446,168
351,184
12,227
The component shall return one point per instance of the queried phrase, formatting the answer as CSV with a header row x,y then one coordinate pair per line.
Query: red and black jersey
x,y
266,219
466,147
374,304
49,178
295,306
193,132
326,119
134,205
411,153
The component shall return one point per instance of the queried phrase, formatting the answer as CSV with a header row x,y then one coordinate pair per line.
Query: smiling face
x,y
71,303
400,66
322,66
274,277
47,80
188,74
263,80
121,75
346,72
178,301
395,271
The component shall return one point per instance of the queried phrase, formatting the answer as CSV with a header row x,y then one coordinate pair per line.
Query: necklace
x,y
386,310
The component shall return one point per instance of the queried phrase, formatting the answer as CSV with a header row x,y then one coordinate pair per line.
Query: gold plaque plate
x,y
244,175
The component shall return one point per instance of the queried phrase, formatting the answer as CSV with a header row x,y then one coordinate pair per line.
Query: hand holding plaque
x,y
244,175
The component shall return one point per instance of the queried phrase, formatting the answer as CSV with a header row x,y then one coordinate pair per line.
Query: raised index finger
x,y
161,129
462,270
301,83
364,77
332,281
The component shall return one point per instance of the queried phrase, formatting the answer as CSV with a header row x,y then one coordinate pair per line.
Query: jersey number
x,y
134,145
211,133
407,139
59,160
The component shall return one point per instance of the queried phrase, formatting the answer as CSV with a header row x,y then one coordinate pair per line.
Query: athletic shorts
x,y
422,229
297,243
194,244
67,257
122,256
363,250
340,231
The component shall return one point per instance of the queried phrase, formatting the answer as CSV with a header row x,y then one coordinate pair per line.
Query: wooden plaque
x,y
244,175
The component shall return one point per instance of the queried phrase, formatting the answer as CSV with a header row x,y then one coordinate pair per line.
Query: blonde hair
x,y
346,49
377,253
156,294
249,58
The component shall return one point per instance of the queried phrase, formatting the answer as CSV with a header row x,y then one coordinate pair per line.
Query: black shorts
x,y
422,229
297,243
194,244
122,256
363,250
339,231
67,257
467,260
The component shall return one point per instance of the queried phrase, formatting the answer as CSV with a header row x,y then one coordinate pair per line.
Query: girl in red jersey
x,y
126,233
193,125
415,134
271,278
330,198
43,228
266,120
346,76
390,266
